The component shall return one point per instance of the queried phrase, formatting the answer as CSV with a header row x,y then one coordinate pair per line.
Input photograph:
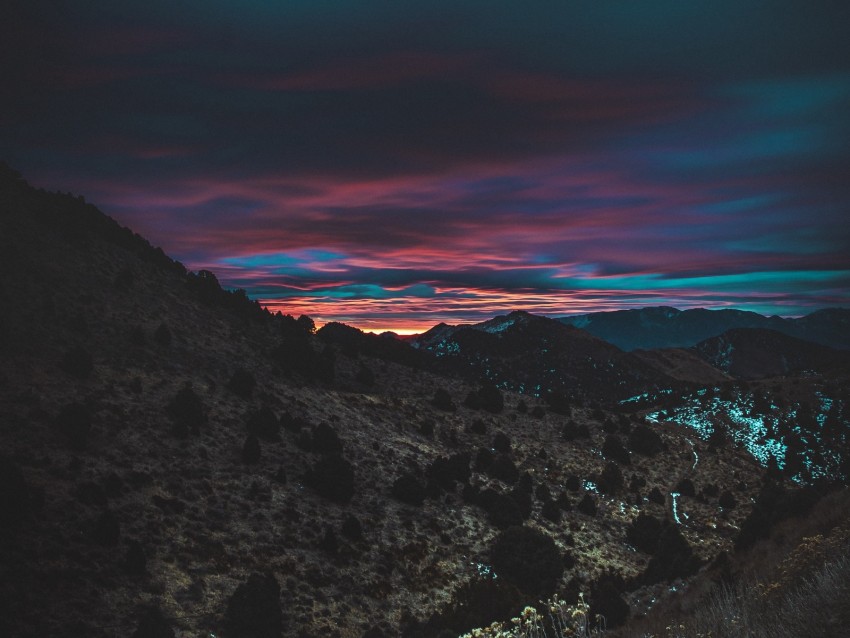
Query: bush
x,y
483,459
655,496
727,500
254,609
251,450
610,480
74,422
490,399
643,533
443,400
264,424
242,383
587,505
407,489
551,511
326,440
77,362
333,478
673,557
478,427
445,472
614,450
528,559
645,440
477,603
606,601
504,469
187,411
686,487
502,511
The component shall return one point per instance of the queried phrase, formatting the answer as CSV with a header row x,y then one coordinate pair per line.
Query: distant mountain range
x,y
664,327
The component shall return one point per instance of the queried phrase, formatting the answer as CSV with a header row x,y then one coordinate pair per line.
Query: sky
x,y
396,164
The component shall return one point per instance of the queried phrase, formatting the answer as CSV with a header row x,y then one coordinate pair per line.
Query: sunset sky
x,y
396,164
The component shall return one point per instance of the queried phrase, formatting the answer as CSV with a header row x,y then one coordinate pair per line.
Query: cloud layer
x,y
401,164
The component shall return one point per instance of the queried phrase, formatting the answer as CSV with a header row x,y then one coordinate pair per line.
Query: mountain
x,y
541,357
664,327
756,353
175,460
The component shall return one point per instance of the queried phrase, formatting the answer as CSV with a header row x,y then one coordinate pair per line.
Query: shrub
x,y
477,603
333,478
264,424
645,440
610,480
643,533
502,511
727,500
443,400
522,406
573,483
407,489
558,402
251,450
187,411
673,557
614,450
326,440
483,459
445,472
242,383
77,362
74,422
504,469
523,501
686,487
655,496
538,412
570,431
528,559
490,398
478,427
587,505
253,610
606,601
551,511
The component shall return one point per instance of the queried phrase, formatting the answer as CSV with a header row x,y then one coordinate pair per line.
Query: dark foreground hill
x,y
663,327
178,462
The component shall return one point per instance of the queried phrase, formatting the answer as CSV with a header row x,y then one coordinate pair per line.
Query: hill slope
x,y
166,443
